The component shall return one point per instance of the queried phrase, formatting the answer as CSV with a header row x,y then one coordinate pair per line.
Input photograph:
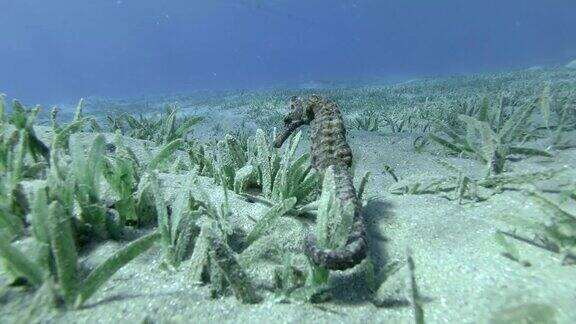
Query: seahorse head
x,y
300,113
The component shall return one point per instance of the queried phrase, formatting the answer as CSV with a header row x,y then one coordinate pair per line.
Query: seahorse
x,y
329,148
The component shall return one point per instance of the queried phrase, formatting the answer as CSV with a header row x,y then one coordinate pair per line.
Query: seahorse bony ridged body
x,y
329,148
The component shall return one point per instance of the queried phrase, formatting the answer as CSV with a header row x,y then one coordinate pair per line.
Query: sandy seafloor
x,y
460,270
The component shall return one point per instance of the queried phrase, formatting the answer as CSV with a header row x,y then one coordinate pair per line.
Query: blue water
x,y
65,49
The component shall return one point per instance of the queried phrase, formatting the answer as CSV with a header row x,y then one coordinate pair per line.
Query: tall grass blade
x,y
415,298
184,128
119,259
344,225
269,219
528,151
264,161
199,259
326,205
64,251
2,109
545,106
78,112
39,216
187,231
446,144
242,177
163,220
226,261
19,262
513,127
164,154
552,208
483,113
